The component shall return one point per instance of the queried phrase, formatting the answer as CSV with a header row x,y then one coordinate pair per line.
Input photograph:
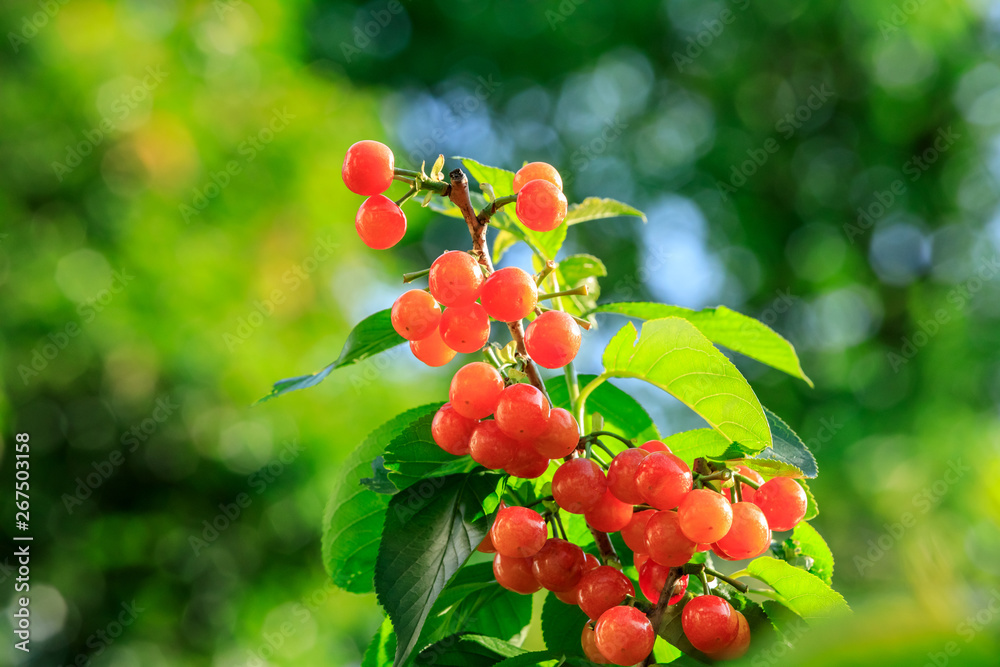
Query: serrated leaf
x,y
769,468
726,327
354,516
704,442
622,413
379,481
562,625
427,537
597,208
673,355
413,456
812,510
474,602
788,447
468,650
806,594
372,335
812,544
381,648
788,625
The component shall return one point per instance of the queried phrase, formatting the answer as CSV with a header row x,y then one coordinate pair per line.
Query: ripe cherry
x,y
560,437
380,223
368,168
572,596
783,502
526,462
609,515
578,485
451,431
415,315
666,543
738,647
536,170
486,546
518,532
748,492
489,447
455,279
655,446
749,535
622,476
515,574
432,350
509,294
634,533
541,206
465,328
552,339
588,640
663,480
653,577
475,390
624,635
522,412
603,588
559,565
710,623
704,516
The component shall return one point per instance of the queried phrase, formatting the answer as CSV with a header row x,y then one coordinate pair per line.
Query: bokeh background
x,y
174,236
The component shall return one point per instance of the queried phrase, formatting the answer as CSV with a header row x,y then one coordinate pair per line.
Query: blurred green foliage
x,y
175,237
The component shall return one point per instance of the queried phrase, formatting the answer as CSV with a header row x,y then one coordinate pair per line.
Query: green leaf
x,y
372,335
812,510
770,468
812,544
468,650
576,271
379,481
413,456
704,442
354,515
786,622
533,659
596,208
673,355
382,647
562,625
788,447
503,242
622,413
474,602
426,539
806,594
726,327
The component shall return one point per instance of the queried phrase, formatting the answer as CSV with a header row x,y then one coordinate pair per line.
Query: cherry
x,y
526,462
559,565
704,516
578,485
465,328
748,492
432,350
680,588
749,535
380,223
415,315
541,206
622,476
710,623
515,574
609,515
783,502
738,647
455,279
518,532
634,533
509,294
486,546
475,390
368,168
451,431
560,437
655,446
572,595
552,339
653,577
666,543
522,412
588,640
535,170
601,589
639,559
663,480
624,635
489,447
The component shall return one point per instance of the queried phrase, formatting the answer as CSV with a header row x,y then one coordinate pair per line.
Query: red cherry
x,y
368,168
509,294
455,279
536,170
380,223
572,595
560,437
475,390
624,635
541,206
522,412
609,515
748,491
622,476
749,535
588,640
655,446
486,546
667,544
432,350
704,516
559,565
415,315
663,480
465,328
526,462
738,647
552,339
490,447
710,623
634,533
783,502
578,485
518,532
451,431
603,588
515,574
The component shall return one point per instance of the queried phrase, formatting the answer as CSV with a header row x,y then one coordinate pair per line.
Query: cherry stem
x,y
582,290
606,549
408,173
738,490
569,370
495,206
410,277
595,434
746,480
540,500
581,400
738,585
584,324
704,583
544,273
409,195
603,446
